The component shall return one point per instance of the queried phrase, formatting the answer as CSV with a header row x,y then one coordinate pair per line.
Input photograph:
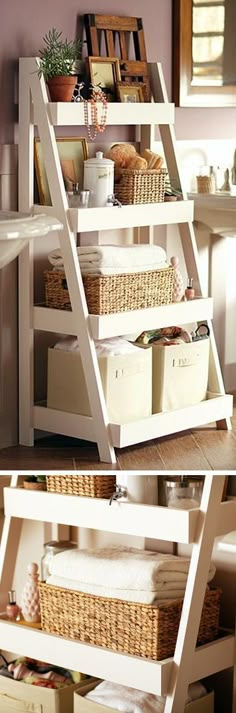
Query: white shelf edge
x,y
129,216
123,518
215,408
156,522
72,114
109,325
147,675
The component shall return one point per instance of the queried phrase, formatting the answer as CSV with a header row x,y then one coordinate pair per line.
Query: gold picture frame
x,y
134,92
73,151
104,72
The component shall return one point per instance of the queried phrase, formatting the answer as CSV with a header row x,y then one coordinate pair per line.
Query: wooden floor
x,y
204,448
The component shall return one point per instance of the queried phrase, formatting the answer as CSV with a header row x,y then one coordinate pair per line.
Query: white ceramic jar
x,y
99,179
139,488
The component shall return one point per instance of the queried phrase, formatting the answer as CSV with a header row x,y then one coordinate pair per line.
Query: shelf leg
x,y
194,593
26,347
8,551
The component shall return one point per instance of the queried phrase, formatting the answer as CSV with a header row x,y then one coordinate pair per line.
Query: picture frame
x,y
131,92
73,151
104,72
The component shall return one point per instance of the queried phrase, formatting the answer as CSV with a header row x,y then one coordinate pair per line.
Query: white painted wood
x,y
133,671
186,230
126,518
73,275
146,141
110,325
194,593
129,216
9,548
213,657
162,424
68,424
65,114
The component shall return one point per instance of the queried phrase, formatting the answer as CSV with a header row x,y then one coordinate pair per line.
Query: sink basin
x,y
16,229
216,211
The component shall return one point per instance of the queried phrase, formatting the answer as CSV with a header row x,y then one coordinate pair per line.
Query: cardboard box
x,y
19,697
83,705
126,380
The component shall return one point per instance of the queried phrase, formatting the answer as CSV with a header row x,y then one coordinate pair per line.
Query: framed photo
x,y
131,92
73,151
105,73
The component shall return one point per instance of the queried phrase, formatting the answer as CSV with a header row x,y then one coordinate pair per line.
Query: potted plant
x,y
171,192
35,482
56,64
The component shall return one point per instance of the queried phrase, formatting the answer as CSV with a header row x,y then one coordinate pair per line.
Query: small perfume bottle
x,y
178,284
74,196
190,292
12,609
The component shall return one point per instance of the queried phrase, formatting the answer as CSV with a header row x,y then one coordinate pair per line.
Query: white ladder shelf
x,y
34,108
199,527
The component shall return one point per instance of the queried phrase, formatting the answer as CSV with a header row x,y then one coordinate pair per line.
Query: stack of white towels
x,y
124,573
114,259
131,700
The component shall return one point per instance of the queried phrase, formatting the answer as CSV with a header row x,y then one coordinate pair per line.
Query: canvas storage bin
x,y
180,375
84,705
19,697
126,380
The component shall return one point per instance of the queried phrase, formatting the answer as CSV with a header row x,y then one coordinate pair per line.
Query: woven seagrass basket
x,y
140,186
136,629
91,486
113,293
205,184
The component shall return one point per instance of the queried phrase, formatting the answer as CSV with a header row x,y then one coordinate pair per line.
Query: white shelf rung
x,y
124,518
72,114
215,408
67,424
110,325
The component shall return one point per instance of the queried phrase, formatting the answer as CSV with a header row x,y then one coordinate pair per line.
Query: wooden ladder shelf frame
x,y
179,668
34,108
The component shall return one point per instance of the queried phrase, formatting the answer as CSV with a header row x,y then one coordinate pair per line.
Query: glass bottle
x,y
50,550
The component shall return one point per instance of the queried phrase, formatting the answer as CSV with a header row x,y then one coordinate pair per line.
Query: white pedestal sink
x,y
16,229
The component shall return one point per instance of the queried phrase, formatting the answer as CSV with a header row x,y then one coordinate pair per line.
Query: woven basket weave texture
x,y
136,629
113,293
90,486
140,186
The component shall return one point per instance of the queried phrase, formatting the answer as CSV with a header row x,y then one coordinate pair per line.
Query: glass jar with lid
x,y
183,492
50,550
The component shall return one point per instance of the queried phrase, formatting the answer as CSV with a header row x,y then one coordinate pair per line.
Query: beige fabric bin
x,y
180,375
83,705
19,697
126,380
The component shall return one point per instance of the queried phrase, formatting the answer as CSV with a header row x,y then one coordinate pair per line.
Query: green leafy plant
x,y
35,478
171,188
58,56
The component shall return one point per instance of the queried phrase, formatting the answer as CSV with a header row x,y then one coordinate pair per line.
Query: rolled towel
x,y
115,256
123,567
156,598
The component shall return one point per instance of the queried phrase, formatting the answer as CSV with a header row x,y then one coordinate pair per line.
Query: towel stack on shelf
x,y
114,259
131,700
124,573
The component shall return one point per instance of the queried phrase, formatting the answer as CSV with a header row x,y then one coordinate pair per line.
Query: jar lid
x,y
186,483
59,544
98,160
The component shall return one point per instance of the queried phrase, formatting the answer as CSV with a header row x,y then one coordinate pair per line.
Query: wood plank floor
x,y
204,448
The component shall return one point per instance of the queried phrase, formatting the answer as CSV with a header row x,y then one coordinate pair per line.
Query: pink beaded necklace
x,y
95,125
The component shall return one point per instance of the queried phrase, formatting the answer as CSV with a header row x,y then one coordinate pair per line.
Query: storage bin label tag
x,y
185,361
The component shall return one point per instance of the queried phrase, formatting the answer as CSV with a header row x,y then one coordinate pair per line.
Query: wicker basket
x,y
205,184
113,293
91,486
136,629
140,186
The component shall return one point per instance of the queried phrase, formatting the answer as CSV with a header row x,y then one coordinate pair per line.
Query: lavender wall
x,y
21,34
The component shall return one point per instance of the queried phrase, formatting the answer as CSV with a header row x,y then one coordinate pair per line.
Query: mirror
x,y
204,53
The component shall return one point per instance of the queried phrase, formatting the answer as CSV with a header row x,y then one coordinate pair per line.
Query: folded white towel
x,y
123,567
114,256
86,269
160,596
131,700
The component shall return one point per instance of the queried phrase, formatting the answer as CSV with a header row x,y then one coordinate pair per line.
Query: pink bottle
x,y
178,285
30,604
12,609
